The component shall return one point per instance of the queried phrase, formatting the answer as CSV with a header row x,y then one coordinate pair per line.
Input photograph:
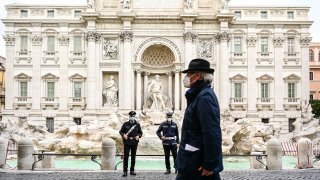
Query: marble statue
x,y
110,92
155,92
126,4
205,49
111,51
188,4
91,4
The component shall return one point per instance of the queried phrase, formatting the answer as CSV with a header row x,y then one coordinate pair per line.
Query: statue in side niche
x,y
110,92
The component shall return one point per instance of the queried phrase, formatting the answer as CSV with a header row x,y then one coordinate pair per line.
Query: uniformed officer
x,y
130,132
170,140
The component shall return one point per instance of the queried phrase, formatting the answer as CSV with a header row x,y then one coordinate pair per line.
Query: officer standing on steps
x,y
130,132
170,140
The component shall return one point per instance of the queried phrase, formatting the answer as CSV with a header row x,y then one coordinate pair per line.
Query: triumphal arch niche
x,y
158,60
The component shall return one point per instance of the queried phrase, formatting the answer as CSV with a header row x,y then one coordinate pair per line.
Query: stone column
x,y
304,155
25,158
170,85
145,85
108,154
223,38
3,151
9,83
36,63
63,82
305,90
92,37
251,83
278,75
176,90
189,36
138,90
126,37
274,154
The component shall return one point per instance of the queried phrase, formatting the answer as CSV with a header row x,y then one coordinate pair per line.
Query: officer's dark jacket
x,y
201,129
168,130
135,132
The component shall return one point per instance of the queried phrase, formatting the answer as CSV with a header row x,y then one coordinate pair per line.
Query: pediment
x,y
22,76
50,76
238,77
77,76
265,77
292,77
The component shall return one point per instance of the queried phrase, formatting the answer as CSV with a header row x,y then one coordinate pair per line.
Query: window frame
x,y
237,14
292,90
264,14
24,43
50,13
311,55
290,14
291,44
264,44
237,44
51,44
310,75
23,13
77,13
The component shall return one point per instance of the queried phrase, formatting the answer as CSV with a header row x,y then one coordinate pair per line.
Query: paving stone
x,y
297,174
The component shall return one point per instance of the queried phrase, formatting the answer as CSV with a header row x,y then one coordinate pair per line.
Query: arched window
x,y
311,55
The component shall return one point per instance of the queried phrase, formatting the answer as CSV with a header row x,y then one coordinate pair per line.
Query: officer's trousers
x,y
133,149
167,149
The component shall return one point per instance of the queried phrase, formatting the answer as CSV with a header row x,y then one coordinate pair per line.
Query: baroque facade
x,y
59,58
314,74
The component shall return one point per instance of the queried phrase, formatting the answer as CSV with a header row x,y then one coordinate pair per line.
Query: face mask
x,y
131,120
186,81
169,120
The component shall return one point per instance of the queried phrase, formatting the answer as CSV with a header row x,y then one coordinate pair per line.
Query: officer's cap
x,y
169,114
132,113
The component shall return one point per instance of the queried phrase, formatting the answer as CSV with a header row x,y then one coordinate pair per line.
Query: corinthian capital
x,y
126,35
251,41
64,40
304,41
223,36
189,36
278,41
36,40
93,36
10,39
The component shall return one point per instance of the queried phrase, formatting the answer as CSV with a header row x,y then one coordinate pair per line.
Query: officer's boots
x,y
133,173
125,173
167,171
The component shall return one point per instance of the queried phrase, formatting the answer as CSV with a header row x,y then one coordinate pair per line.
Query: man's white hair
x,y
208,77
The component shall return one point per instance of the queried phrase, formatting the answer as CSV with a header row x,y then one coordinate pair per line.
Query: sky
x,y
313,13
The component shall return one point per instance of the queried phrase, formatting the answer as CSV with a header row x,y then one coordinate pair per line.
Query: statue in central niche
x,y
156,104
156,95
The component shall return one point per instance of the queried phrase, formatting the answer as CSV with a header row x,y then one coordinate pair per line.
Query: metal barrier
x,y
258,158
41,157
289,148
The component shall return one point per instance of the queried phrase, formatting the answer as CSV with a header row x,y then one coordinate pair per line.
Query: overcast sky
x,y
313,14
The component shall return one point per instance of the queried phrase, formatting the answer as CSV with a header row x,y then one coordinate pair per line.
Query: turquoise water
x,y
288,162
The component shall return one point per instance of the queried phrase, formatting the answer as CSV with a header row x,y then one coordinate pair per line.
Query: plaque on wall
x,y
110,3
205,3
158,4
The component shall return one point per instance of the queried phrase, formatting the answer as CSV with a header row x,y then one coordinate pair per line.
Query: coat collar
x,y
194,91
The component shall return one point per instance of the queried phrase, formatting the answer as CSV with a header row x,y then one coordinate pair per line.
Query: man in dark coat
x,y
170,140
200,152
130,132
